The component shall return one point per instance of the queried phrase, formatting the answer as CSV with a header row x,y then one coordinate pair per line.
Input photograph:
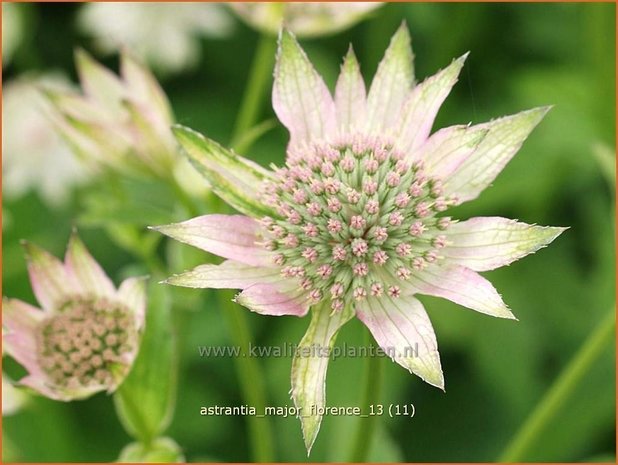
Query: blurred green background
x,y
522,56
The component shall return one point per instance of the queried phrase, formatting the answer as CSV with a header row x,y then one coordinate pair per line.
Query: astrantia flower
x,y
121,122
86,336
305,19
164,35
356,222
34,156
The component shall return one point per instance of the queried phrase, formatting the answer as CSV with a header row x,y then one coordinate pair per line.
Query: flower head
x,y
118,122
121,122
306,19
86,336
356,222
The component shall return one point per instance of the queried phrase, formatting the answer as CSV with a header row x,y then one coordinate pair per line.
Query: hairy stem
x,y
258,80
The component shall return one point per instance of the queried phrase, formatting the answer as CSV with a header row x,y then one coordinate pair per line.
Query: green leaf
x,y
145,401
232,177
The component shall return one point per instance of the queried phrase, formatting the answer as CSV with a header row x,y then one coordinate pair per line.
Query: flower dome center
x,y
356,219
86,343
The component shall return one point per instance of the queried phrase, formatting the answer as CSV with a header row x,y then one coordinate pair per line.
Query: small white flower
x,y
34,156
164,35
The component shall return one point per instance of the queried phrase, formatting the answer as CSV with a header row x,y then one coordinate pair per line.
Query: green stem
x,y
185,200
560,391
251,378
258,80
370,396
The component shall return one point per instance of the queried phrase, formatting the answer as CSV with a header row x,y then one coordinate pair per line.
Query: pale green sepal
x,y
487,243
71,103
420,108
156,152
350,94
143,86
402,328
505,137
227,275
300,97
309,367
161,450
235,179
98,82
392,82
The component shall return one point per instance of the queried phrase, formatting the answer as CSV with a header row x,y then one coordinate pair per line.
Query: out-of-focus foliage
x,y
522,56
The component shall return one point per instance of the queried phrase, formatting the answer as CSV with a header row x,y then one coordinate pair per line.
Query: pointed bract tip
x,y
162,228
459,62
506,314
349,60
465,56
285,37
184,133
83,59
541,111
432,380
74,240
29,248
309,443
402,33
180,127
128,57
287,44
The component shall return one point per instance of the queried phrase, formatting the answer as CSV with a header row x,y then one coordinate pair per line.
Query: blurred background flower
x,y
86,335
164,35
305,19
121,122
34,156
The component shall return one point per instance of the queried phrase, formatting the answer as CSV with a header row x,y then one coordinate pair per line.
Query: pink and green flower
x,y
118,122
85,337
355,224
